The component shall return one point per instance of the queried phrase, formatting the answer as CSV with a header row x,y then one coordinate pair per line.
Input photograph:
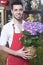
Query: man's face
x,y
17,11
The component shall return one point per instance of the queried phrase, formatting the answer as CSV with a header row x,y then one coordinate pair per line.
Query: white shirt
x,y
7,33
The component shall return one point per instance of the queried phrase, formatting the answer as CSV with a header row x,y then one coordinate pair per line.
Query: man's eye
x,y
15,10
21,9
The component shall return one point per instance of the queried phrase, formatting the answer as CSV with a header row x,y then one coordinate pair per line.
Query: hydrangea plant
x,y
32,34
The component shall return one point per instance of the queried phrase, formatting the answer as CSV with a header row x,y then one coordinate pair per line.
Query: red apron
x,y
16,45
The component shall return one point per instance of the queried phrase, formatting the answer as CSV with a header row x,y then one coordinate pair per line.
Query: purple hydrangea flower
x,y
33,27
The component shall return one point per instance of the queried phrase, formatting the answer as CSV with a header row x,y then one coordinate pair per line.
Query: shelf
x,y
32,11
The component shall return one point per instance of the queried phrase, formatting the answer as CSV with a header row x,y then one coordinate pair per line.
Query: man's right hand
x,y
24,54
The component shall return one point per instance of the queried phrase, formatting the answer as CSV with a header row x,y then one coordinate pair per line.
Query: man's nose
x,y
18,11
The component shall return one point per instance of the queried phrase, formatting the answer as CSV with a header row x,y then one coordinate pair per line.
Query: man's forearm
x,y
21,52
8,50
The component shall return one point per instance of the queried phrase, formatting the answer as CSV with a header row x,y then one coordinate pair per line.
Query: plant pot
x,y
32,51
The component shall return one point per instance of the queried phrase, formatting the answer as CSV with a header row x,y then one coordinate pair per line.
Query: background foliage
x,y
39,59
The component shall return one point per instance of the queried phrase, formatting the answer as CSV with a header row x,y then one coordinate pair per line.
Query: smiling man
x,y
11,33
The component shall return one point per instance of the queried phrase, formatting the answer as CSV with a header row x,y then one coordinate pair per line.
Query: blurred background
x,y
33,11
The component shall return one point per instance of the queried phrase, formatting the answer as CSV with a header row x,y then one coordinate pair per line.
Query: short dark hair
x,y
17,2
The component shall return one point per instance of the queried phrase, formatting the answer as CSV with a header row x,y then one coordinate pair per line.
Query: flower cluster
x,y
33,32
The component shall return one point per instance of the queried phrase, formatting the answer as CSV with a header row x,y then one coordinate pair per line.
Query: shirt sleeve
x,y
4,36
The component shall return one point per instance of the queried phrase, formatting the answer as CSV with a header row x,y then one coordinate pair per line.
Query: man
x,y
11,33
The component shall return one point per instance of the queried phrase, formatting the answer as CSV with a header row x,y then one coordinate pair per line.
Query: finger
x,y
22,48
27,57
28,51
35,55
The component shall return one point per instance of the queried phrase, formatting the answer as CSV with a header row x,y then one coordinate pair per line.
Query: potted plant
x,y
31,38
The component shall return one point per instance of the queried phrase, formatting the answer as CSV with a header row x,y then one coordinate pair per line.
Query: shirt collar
x,y
12,22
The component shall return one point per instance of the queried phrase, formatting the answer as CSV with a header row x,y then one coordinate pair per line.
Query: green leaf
x,y
22,40
29,41
39,43
26,33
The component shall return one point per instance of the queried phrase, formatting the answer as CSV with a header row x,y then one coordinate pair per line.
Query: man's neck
x,y
17,21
